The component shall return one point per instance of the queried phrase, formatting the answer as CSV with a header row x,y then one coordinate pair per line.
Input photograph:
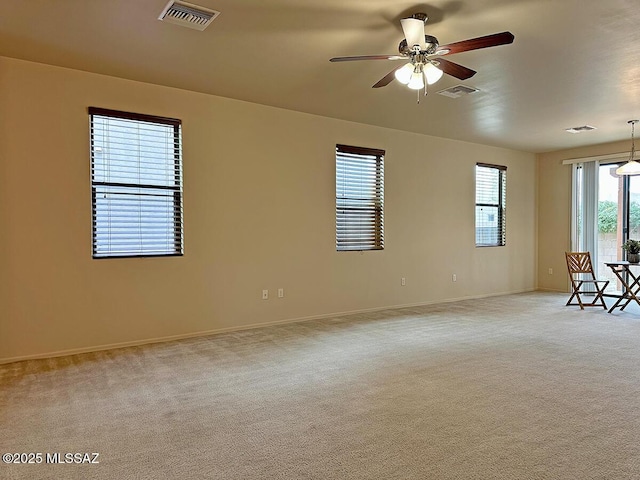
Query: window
x,y
136,184
359,198
491,200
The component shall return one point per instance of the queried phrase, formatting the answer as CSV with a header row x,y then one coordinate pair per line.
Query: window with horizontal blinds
x,y
491,201
136,184
359,198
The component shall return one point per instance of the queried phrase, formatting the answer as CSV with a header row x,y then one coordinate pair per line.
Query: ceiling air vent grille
x,y
457,91
583,128
188,15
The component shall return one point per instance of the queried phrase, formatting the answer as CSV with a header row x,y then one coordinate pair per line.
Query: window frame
x,y
501,205
350,202
177,188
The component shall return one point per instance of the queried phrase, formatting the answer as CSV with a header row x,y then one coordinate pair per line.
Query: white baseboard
x,y
553,290
204,333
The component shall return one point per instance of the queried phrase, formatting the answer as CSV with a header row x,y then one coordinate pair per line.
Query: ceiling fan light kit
x,y
403,74
432,73
417,47
417,81
632,167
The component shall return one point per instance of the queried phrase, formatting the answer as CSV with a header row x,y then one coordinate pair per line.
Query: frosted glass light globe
x,y
432,73
417,81
403,75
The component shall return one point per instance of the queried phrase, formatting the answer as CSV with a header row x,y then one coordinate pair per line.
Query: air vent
x,y
188,15
457,91
584,128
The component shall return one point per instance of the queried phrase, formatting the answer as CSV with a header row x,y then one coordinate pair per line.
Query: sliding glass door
x,y
634,207
618,217
605,213
611,221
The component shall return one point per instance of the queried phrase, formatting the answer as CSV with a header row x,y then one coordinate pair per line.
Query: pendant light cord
x,y
633,142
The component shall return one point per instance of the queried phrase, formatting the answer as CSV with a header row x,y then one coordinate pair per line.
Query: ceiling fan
x,y
424,53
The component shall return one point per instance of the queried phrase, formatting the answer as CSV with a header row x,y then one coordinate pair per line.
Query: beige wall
x,y
554,210
259,213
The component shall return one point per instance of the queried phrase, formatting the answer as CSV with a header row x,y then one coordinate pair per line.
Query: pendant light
x,y
631,167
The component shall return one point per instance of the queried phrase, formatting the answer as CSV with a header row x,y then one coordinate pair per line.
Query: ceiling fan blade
x,y
367,57
494,40
387,79
453,69
413,29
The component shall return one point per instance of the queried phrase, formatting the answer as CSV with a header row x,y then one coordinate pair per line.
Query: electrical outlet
x,y
454,278
280,292
551,271
403,281
265,294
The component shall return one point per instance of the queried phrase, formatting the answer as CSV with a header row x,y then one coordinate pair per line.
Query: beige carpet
x,y
512,387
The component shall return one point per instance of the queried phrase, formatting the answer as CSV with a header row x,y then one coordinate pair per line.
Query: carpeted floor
x,y
511,387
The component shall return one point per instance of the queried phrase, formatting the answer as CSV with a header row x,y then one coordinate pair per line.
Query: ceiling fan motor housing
x,y
430,40
421,16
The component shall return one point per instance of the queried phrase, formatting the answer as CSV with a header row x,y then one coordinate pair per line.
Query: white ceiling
x,y
573,62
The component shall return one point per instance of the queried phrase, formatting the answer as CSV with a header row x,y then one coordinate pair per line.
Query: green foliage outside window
x,y
608,216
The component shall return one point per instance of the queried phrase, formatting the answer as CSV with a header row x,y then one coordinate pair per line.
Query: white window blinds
x,y
136,184
491,200
359,198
